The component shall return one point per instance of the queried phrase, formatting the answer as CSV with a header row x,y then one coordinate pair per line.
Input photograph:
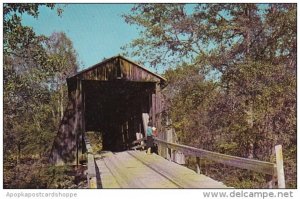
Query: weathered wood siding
x,y
130,101
118,68
105,71
133,72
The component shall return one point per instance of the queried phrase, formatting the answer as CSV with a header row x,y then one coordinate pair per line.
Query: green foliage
x,y
16,37
250,104
65,177
35,69
95,139
38,175
62,60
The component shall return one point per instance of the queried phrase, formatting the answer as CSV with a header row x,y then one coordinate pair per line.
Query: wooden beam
x,y
91,170
279,165
139,140
138,146
145,118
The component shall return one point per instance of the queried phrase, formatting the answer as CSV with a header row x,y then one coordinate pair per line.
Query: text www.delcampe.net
x,y
247,194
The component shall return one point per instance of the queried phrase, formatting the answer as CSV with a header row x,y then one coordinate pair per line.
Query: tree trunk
x,y
250,122
19,153
62,102
58,108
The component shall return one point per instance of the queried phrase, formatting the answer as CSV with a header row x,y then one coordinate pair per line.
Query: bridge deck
x,y
136,169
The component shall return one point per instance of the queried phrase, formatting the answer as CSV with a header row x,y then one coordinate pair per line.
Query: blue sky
x,y
96,30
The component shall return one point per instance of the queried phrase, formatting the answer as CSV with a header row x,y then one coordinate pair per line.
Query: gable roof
x,y
120,57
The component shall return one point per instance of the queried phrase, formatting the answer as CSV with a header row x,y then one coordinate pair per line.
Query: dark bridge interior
x,y
115,109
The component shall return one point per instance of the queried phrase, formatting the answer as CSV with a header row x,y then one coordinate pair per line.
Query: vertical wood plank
x,y
172,141
75,130
83,117
168,154
80,117
150,103
93,183
198,165
145,118
153,108
279,165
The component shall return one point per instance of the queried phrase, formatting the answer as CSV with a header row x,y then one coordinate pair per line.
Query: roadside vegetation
x,y
231,71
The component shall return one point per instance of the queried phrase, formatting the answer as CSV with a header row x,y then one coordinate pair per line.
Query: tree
x,y
16,37
27,98
251,104
63,61
176,33
35,68
24,61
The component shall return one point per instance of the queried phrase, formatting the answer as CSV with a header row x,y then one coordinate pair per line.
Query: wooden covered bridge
x,y
117,97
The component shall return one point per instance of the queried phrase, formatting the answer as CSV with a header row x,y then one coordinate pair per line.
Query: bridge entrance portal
x,y
114,108
110,98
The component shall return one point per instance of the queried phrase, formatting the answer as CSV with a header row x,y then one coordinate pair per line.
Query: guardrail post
x,y
168,153
92,183
91,167
271,179
279,165
198,165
